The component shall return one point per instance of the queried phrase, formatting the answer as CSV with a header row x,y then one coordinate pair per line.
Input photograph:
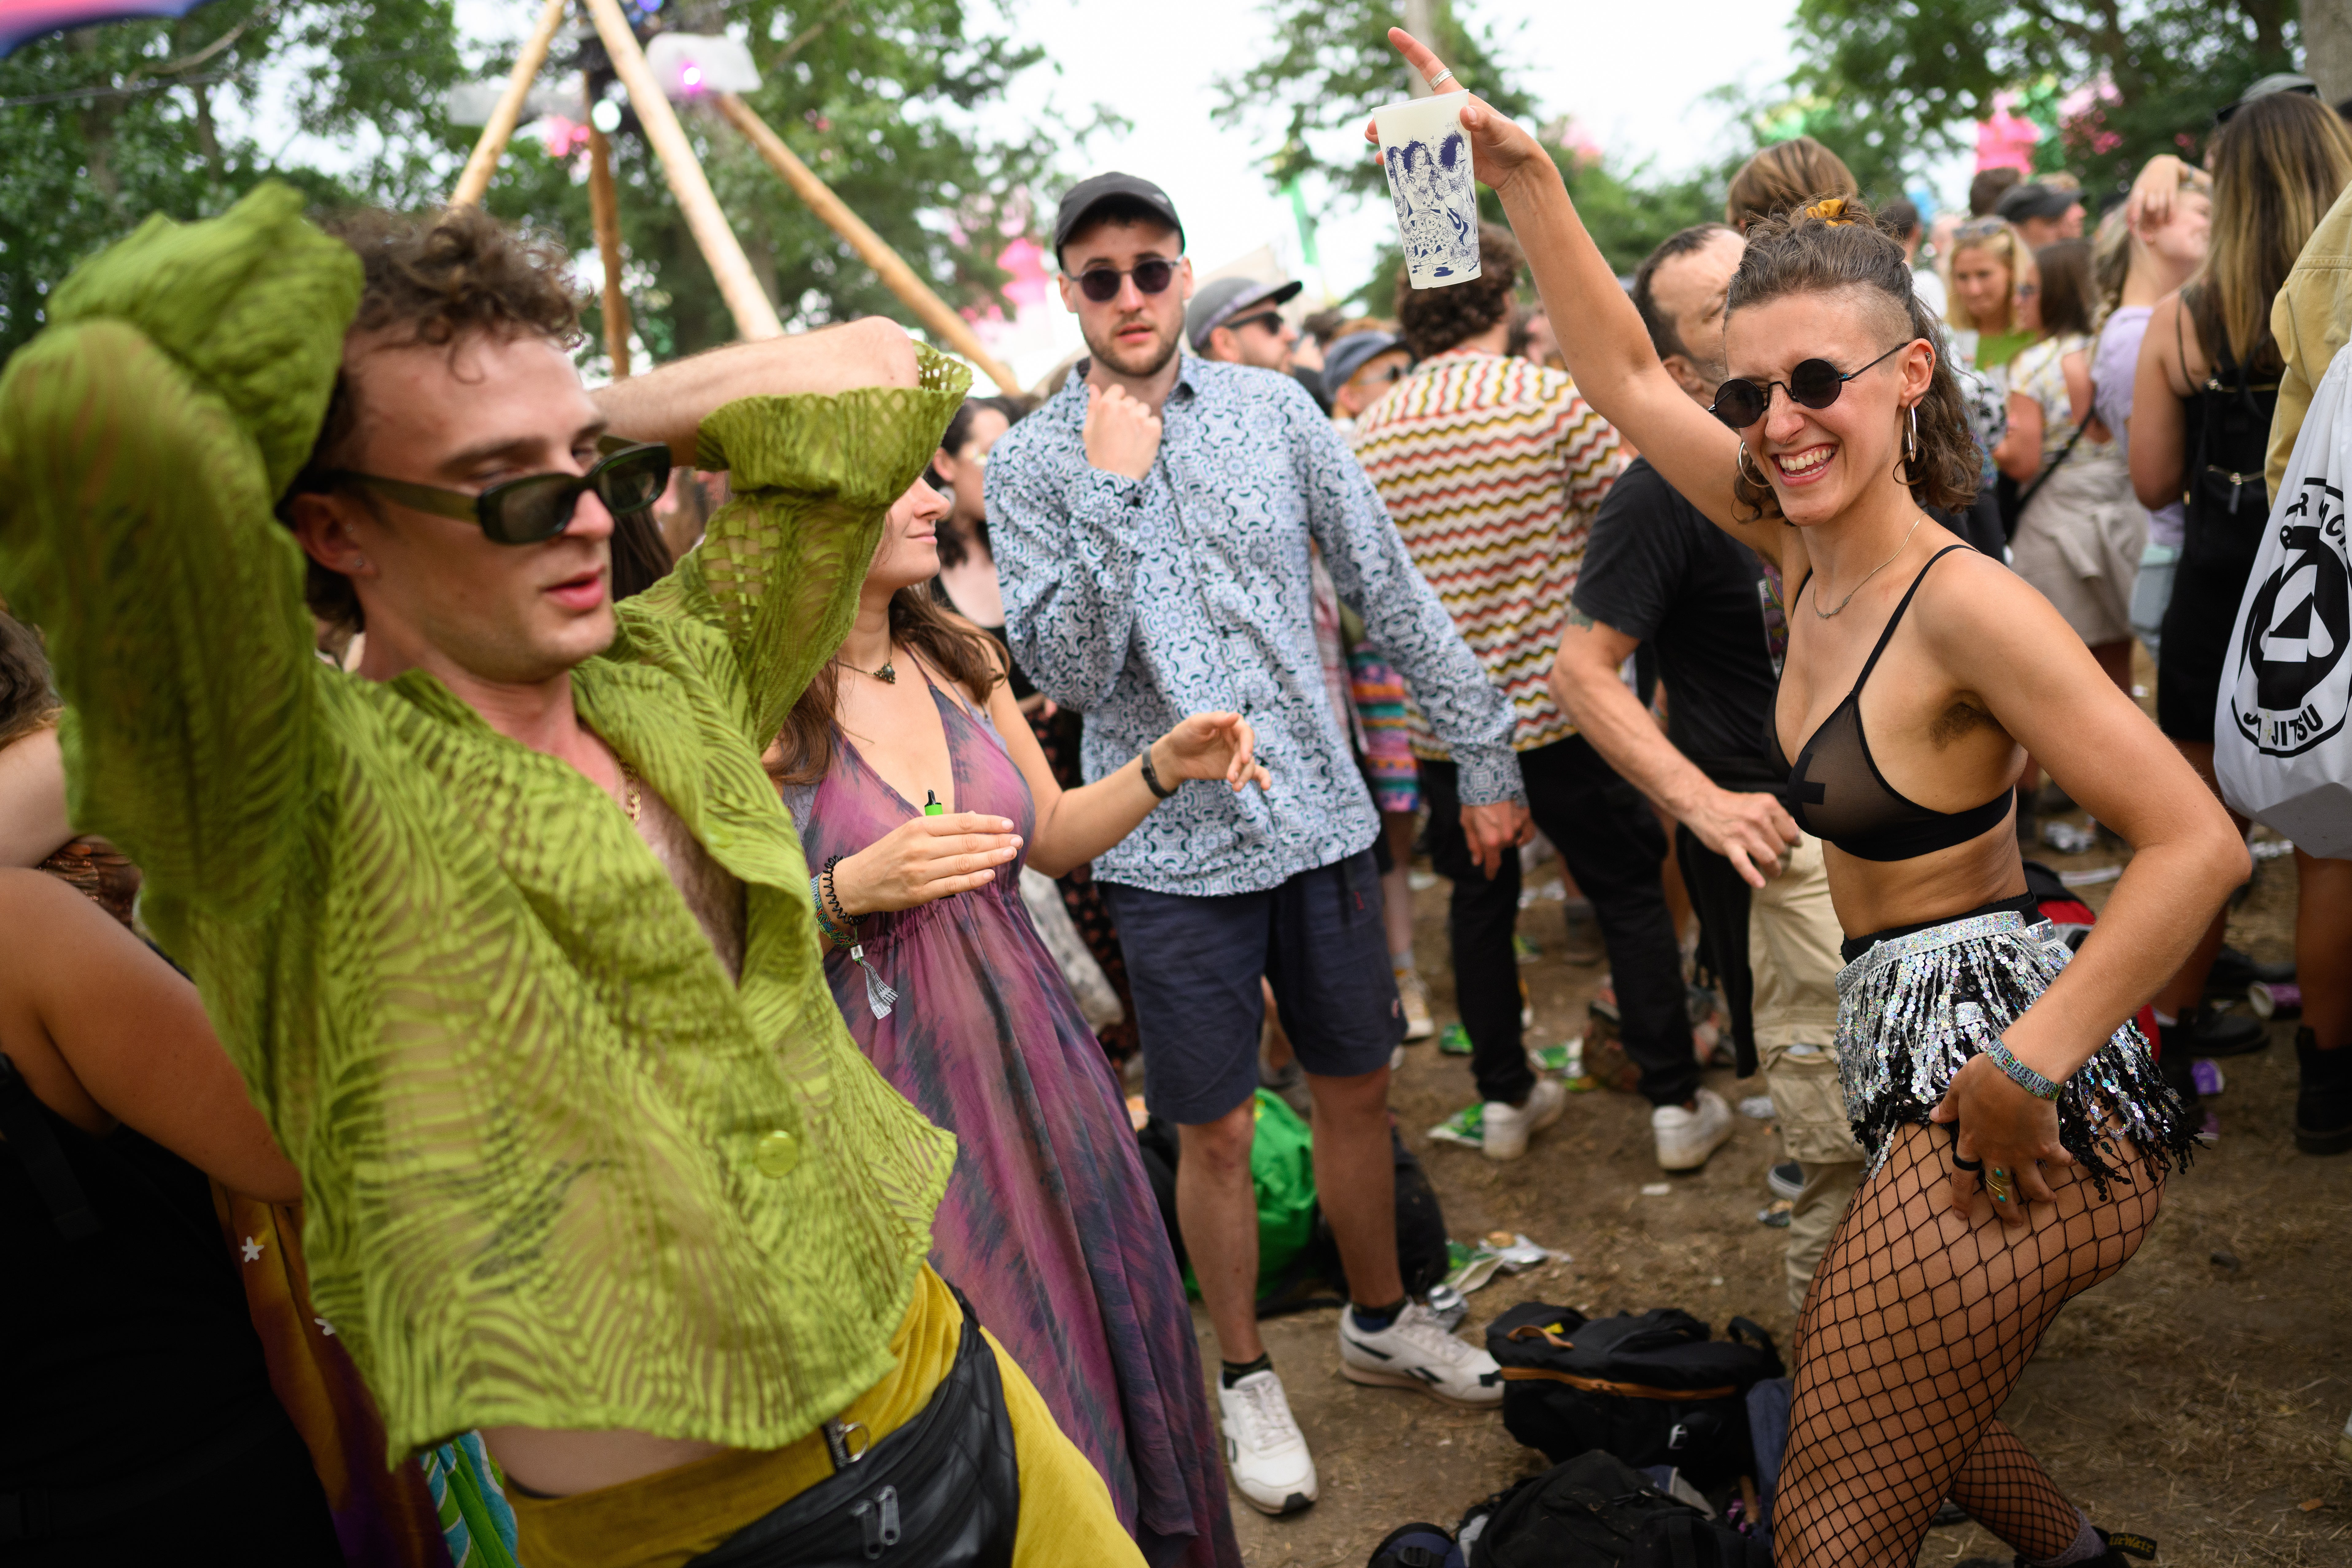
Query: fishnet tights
x,y
1916,1328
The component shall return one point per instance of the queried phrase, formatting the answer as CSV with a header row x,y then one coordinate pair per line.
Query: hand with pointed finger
x,y
1499,148
2013,1134
1210,746
923,859
1121,436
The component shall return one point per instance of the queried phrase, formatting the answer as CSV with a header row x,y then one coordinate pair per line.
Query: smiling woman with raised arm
x,y
1990,1078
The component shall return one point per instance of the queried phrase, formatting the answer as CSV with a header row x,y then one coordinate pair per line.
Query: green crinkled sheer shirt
x,y
558,1171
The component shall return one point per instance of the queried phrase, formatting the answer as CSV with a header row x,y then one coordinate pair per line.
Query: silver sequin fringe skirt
x,y
1914,1009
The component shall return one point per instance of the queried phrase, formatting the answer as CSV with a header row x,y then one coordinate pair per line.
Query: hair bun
x,y
1831,210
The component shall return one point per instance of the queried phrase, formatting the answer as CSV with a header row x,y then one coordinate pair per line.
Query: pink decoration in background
x,y
2006,141
563,137
1029,281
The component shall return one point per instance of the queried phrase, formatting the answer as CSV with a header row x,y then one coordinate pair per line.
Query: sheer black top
x,y
1836,792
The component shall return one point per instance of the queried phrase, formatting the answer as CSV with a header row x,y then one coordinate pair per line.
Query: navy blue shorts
x,y
1193,965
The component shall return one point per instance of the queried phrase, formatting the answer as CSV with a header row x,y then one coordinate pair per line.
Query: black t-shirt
x,y
1656,569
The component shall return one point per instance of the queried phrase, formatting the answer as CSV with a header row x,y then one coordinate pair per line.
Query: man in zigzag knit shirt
x,y
1492,468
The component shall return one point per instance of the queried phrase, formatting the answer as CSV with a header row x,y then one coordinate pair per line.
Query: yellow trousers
x,y
666,1520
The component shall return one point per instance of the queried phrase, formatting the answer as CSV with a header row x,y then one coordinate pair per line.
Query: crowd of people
x,y
528,1032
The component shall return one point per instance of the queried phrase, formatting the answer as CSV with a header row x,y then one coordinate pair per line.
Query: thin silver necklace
x,y
1874,571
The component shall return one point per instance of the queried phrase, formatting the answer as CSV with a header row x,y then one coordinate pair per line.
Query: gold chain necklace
x,y
1874,571
632,800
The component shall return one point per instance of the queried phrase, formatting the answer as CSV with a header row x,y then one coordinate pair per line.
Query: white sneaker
x,y
1415,1352
1264,1447
1414,992
1508,1126
1685,1137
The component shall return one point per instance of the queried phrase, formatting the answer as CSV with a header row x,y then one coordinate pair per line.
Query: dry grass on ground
x,y
2194,1401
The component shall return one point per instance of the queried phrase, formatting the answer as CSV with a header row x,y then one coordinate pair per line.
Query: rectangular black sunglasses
x,y
1814,384
536,507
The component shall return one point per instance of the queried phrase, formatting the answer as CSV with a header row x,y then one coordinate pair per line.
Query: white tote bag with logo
x,y
2281,747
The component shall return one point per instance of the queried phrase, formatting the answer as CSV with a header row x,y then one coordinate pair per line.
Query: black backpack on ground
x,y
1417,1546
1597,1512
1653,1388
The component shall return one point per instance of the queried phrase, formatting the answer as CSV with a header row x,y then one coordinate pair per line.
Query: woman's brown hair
x,y
2278,165
951,644
2069,300
1784,177
28,696
1834,246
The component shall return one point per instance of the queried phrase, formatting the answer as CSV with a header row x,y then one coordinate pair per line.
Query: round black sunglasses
x,y
1100,284
1815,383
537,506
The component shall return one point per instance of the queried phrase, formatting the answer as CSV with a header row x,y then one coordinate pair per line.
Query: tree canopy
x,y
100,127
1895,82
1331,66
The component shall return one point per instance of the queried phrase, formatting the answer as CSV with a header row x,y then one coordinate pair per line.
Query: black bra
x,y
1836,792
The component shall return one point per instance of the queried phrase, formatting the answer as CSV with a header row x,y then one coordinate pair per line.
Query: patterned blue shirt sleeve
x,y
1373,572
1064,534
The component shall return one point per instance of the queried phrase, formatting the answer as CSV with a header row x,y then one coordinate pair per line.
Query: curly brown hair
x,y
1435,319
435,278
1835,246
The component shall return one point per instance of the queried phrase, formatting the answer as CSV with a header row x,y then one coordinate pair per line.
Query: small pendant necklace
x,y
886,674
1874,571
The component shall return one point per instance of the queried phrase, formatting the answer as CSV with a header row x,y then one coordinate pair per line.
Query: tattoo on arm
x,y
1578,618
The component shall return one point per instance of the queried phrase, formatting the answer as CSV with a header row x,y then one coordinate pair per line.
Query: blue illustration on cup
x,y
1435,216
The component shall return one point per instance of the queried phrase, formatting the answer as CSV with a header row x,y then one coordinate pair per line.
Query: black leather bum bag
x,y
943,1490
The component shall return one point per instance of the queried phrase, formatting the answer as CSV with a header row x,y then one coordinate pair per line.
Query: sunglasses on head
x,y
2221,115
1815,383
1100,284
537,506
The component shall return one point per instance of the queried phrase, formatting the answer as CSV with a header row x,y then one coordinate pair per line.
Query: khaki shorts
x,y
1792,948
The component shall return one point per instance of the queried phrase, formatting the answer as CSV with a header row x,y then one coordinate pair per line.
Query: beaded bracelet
x,y
832,898
824,922
2024,1076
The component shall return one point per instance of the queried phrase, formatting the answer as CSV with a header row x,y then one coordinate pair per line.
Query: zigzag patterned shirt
x,y
1492,468
1138,603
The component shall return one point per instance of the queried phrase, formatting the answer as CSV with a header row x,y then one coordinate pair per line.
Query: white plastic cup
x,y
1427,155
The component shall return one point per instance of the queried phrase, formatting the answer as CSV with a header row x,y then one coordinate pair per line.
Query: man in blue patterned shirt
x,y
1152,525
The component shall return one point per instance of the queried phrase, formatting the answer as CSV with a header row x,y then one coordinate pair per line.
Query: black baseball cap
x,y
2035,200
1091,193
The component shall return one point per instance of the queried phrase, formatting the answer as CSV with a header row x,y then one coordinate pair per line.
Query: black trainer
x,y
2323,1107
2121,1548
2233,971
2202,1032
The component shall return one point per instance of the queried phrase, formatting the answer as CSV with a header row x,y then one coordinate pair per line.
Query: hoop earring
x,y
1745,466
1911,447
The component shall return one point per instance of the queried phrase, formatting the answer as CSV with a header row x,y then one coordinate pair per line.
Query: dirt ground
x,y
2197,1397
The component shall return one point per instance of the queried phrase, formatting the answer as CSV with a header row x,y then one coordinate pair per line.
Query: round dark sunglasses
x,y
1100,284
1815,383
537,506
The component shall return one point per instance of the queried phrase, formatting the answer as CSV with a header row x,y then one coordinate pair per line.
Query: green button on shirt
x,y
558,1171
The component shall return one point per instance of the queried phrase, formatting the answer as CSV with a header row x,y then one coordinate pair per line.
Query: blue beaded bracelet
x,y
823,924
2024,1076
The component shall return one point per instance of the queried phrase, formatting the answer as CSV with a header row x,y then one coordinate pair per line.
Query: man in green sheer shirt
x,y
507,930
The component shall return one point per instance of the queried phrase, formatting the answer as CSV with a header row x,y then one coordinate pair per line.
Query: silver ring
x,y
1441,76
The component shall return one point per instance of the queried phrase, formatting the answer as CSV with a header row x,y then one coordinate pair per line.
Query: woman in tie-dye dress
x,y
1049,1224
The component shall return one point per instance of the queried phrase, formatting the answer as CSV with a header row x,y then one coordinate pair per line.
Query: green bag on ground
x,y
1282,1173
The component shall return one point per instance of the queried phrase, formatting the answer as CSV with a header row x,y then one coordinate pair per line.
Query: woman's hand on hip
x,y
1210,746
923,859
2013,1133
